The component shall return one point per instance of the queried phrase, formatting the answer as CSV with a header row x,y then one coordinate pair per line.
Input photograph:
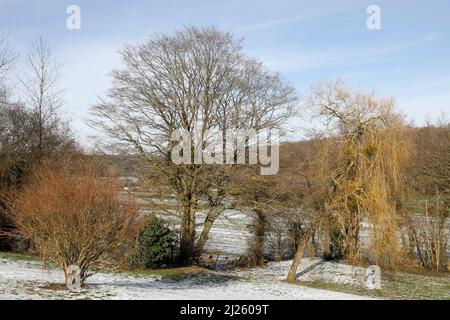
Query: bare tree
x,y
196,76
9,134
30,130
310,174
258,195
430,168
40,83
15,123
426,235
426,190
7,56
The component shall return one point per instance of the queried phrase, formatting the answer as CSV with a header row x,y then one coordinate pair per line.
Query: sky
x,y
306,41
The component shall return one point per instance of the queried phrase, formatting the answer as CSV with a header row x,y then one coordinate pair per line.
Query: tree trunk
x,y
187,235
210,218
257,253
292,275
351,234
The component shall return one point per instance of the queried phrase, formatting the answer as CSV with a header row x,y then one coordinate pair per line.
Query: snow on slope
x,y
26,280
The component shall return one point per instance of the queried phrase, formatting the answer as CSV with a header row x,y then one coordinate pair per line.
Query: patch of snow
x,y
311,269
26,280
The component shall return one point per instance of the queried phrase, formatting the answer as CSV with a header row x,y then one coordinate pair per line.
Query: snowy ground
x,y
26,280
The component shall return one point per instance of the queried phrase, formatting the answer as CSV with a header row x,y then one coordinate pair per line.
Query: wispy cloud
x,y
294,17
300,59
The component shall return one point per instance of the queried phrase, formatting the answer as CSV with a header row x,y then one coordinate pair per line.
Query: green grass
x,y
404,286
18,257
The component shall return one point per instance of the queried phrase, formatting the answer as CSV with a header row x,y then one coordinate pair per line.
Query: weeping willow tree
x,y
369,149
364,149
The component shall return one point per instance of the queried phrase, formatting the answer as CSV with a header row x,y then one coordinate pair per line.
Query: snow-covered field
x,y
26,280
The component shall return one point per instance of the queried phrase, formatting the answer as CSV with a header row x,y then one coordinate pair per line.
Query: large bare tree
x,y
197,76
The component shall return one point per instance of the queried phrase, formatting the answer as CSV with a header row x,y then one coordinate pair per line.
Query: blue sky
x,y
306,41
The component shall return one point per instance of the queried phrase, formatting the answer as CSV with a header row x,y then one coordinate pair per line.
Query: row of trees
x,y
31,129
357,168
365,166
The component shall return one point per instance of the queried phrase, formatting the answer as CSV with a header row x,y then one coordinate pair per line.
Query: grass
x,y
172,273
18,257
166,273
399,286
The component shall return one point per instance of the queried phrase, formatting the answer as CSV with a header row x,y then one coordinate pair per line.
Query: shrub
x,y
72,218
427,235
155,245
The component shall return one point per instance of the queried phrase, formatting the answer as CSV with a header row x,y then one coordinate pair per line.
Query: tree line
x,y
364,167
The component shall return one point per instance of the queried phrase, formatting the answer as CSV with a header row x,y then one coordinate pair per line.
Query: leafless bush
x,y
427,235
72,218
